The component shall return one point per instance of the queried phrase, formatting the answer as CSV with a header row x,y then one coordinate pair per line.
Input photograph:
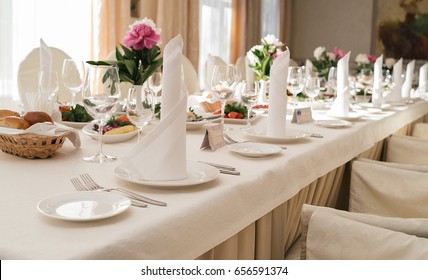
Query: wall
x,y
346,24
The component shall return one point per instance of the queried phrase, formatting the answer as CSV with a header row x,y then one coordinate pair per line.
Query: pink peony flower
x,y
143,34
339,53
371,58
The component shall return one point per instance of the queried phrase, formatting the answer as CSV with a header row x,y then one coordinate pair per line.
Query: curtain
x,y
285,21
246,27
110,22
176,17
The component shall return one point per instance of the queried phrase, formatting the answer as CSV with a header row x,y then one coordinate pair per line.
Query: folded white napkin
x,y
278,96
377,83
340,106
308,68
423,85
161,154
407,85
395,94
46,129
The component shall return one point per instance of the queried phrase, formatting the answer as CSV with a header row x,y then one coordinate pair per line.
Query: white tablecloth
x,y
197,218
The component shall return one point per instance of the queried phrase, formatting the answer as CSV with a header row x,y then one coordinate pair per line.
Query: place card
x,y
213,138
302,115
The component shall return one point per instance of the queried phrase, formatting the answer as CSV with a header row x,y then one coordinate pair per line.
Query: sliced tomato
x,y
123,118
240,116
233,115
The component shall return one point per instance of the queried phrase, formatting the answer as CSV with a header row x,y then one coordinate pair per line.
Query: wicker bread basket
x,y
31,145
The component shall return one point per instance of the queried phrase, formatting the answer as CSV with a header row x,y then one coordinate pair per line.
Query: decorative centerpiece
x,y
260,59
325,60
139,57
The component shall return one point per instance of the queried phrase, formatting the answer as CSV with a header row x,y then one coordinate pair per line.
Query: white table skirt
x,y
196,219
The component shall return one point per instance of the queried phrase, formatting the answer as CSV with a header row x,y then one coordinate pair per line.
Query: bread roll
x,y
14,122
210,107
37,117
8,113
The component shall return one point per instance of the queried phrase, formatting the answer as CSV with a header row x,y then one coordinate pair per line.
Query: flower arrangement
x,y
325,60
262,56
139,58
365,63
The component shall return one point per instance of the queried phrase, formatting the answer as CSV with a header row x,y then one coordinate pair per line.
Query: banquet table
x,y
251,216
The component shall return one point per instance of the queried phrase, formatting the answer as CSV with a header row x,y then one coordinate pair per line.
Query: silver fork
x,y
230,140
79,186
92,185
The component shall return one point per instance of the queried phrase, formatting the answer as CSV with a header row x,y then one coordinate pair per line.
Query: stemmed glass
x,y
72,77
313,87
332,81
48,89
140,107
295,81
100,94
155,84
249,96
223,83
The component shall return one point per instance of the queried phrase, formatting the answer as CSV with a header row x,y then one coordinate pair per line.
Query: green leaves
x,y
135,66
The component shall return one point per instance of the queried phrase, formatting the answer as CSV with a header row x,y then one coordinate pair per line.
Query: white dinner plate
x,y
196,125
75,124
291,135
114,138
84,206
197,173
254,149
352,116
333,123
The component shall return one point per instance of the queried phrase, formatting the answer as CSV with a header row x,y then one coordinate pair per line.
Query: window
x,y
60,23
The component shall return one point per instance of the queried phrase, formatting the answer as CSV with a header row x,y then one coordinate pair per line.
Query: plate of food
x,y
75,116
117,129
236,113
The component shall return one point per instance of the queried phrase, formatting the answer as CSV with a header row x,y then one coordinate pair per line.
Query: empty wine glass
x,y
332,82
100,94
155,84
249,96
72,77
223,83
140,107
313,87
295,81
48,89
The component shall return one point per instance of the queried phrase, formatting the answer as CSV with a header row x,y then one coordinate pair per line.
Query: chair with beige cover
x,y
389,189
420,130
190,76
330,234
407,149
211,61
28,74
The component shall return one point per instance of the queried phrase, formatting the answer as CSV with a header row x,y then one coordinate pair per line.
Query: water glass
x,y
140,107
100,95
249,96
295,81
155,84
72,77
313,87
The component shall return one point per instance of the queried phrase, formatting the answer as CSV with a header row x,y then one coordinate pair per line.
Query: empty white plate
x,y
249,149
84,206
333,123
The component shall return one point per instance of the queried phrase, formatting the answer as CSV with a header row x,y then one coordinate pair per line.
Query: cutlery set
x,y
225,169
86,183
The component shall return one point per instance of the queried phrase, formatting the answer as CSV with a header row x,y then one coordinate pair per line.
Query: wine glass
x,y
72,77
48,89
223,83
140,107
332,81
100,94
155,84
249,96
313,87
295,81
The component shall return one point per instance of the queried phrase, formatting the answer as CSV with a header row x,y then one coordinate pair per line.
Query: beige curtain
x,y
176,17
110,21
285,21
246,27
